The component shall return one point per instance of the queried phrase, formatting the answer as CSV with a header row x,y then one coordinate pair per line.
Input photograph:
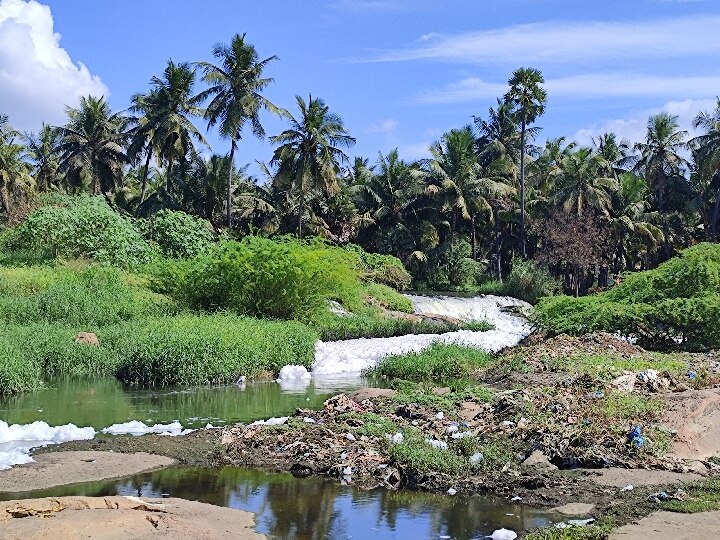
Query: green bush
x,y
439,361
81,227
370,325
277,279
526,281
205,349
385,269
675,304
179,234
387,297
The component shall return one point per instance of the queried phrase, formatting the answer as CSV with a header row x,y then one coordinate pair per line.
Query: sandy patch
x,y
671,526
61,468
615,477
121,517
574,509
694,416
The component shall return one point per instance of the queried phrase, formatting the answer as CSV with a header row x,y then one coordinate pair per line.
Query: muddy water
x,y
312,508
103,402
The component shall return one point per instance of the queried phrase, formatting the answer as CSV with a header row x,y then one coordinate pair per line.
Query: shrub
x,y
279,279
387,297
205,349
370,325
439,361
179,234
526,281
385,269
81,227
675,304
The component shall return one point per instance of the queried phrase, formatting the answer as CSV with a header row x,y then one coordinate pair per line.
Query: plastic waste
x,y
451,491
628,487
516,498
476,458
692,375
441,445
635,437
350,437
440,415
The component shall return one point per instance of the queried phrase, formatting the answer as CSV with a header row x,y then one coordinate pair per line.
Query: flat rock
x,y
469,410
616,477
122,517
358,396
538,460
671,526
574,509
61,468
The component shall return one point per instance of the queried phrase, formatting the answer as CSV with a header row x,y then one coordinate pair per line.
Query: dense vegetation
x,y
676,304
486,197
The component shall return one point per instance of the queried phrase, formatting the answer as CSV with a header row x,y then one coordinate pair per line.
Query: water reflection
x,y
102,402
313,509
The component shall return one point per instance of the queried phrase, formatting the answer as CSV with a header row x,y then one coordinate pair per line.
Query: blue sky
x,y
400,73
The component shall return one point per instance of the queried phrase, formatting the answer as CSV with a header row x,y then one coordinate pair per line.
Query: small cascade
x,y
356,355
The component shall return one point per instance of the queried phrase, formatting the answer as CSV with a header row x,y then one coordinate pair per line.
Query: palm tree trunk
x,y
168,181
143,189
715,216
228,206
301,209
474,239
522,189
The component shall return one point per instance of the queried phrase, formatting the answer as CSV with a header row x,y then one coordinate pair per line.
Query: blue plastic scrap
x,y
636,437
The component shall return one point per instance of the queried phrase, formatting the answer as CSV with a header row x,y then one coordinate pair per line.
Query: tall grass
x,y
439,361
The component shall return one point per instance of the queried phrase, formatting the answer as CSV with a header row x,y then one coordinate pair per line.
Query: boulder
x,y
87,338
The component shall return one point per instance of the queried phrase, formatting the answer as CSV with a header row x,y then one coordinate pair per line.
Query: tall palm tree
x,y
528,99
170,107
42,151
707,158
235,88
615,154
143,139
91,145
309,153
661,160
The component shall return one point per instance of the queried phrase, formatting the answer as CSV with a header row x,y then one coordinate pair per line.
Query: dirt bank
x,y
122,517
694,417
671,526
63,468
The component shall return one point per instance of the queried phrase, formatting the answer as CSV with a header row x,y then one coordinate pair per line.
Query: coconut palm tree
x,y
528,99
15,176
168,110
706,148
143,140
580,184
92,145
42,151
236,99
309,153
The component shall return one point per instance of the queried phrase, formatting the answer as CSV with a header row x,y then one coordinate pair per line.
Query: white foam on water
x,y
357,355
134,427
17,440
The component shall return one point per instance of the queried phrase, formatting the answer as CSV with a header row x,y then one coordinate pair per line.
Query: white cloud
x,y
634,126
575,42
429,36
37,76
385,127
592,85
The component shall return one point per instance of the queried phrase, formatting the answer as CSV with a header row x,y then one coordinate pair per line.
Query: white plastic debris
x,y
441,445
347,471
628,487
451,491
396,438
452,429
271,421
440,415
461,434
350,437
516,498
477,457
309,420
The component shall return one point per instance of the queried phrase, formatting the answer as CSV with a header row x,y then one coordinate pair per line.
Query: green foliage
x,y
387,297
526,281
90,297
439,361
704,496
179,234
420,457
204,349
81,227
385,269
279,279
676,303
